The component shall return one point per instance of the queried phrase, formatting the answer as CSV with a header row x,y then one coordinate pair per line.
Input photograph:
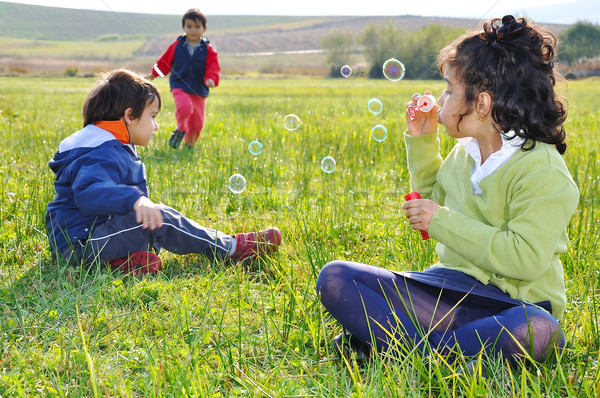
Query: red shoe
x,y
138,263
253,244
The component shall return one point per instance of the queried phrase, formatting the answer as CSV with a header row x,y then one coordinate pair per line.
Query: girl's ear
x,y
484,104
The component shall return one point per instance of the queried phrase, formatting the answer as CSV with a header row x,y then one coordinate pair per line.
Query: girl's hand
x,y
149,76
424,122
147,214
419,213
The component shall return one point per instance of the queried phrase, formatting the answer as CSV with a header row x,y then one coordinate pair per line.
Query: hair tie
x,y
509,27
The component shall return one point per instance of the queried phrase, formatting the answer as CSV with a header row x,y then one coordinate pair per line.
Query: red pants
x,y
189,112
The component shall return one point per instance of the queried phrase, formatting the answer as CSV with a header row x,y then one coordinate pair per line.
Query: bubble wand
x,y
425,103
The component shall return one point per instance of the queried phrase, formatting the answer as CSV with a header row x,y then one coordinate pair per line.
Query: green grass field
x,y
217,329
76,50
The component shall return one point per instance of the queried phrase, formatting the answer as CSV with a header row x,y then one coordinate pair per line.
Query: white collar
x,y
495,160
508,145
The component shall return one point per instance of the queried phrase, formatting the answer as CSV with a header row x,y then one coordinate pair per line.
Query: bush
x,y
581,41
71,71
109,37
416,50
18,70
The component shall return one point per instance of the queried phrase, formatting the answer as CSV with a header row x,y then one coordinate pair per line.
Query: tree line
x,y
418,50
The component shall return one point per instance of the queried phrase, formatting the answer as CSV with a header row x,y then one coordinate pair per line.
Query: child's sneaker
x,y
253,244
137,263
176,138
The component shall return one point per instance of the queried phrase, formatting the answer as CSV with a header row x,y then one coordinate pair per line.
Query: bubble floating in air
x,y
255,147
237,183
379,133
346,71
328,164
291,122
393,69
375,106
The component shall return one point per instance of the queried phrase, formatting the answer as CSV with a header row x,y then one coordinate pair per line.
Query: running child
x,y
194,67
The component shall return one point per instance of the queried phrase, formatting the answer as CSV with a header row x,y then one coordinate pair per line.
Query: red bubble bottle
x,y
416,195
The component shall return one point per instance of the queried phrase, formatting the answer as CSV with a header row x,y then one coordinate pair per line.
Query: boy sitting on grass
x,y
102,209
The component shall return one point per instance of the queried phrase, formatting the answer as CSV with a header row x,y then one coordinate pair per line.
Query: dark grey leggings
x,y
122,235
382,308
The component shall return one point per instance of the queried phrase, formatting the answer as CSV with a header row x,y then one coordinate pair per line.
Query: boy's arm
x,y
163,66
212,69
98,193
102,196
147,214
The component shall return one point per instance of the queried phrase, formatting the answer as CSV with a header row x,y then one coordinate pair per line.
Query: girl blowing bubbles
x,y
498,207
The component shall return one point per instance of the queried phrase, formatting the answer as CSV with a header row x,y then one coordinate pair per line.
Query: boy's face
x,y
193,30
142,130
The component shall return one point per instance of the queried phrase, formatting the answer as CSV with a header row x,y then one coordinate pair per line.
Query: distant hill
x,y
64,24
231,34
307,35
53,23
40,39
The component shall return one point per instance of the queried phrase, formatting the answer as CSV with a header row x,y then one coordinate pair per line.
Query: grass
x,y
80,49
211,329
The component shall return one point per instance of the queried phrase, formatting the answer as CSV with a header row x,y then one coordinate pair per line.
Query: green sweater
x,y
513,233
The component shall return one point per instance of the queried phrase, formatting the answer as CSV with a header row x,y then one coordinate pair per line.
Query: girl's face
x,y
193,30
142,130
452,103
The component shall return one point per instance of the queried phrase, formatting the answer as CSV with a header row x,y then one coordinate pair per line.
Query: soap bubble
x,y
379,133
346,71
328,164
375,106
237,183
393,69
255,147
291,122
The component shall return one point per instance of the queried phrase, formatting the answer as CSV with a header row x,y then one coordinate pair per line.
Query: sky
x,y
548,11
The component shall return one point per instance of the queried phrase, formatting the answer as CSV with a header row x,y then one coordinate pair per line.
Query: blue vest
x,y
187,72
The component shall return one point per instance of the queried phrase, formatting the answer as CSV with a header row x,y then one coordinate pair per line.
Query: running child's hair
x,y
195,15
513,61
116,91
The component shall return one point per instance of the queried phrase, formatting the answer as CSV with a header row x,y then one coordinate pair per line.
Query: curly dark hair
x,y
513,61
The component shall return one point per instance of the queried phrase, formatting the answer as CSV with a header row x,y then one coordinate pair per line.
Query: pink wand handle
x,y
417,195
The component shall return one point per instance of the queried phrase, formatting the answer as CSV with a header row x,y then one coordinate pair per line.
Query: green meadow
x,y
208,329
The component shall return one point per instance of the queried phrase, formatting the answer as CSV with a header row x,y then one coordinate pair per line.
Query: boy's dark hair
x,y
195,15
513,62
116,91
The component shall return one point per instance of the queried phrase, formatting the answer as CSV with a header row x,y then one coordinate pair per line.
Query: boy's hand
x,y
149,76
210,83
147,214
424,122
420,212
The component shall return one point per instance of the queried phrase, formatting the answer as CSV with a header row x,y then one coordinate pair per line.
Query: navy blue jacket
x,y
96,176
189,72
